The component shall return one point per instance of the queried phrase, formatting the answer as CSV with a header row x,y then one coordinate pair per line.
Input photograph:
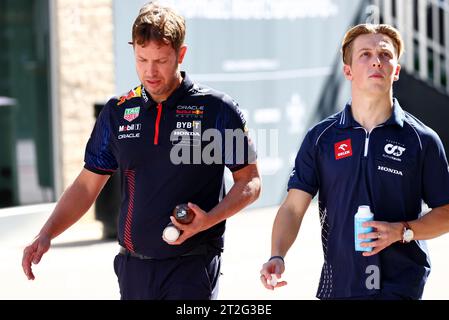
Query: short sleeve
x,y
238,148
98,157
435,174
304,175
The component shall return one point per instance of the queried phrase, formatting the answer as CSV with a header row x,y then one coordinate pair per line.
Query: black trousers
x,y
193,277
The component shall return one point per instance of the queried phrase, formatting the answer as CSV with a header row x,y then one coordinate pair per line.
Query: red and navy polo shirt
x,y
166,158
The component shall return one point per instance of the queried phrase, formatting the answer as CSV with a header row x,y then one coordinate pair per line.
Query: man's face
x,y
157,68
374,65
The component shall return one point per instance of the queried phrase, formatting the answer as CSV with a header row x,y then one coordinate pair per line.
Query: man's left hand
x,y
384,234
198,224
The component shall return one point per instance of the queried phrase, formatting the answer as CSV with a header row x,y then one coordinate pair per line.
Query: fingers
x,y
370,235
193,206
183,237
372,253
38,254
373,244
269,277
28,253
281,284
377,246
269,281
33,253
264,279
188,230
275,283
178,225
374,224
196,209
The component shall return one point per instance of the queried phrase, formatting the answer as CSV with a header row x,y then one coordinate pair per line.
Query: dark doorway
x,y
25,77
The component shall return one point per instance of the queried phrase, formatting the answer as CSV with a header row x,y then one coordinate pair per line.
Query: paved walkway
x,y
79,265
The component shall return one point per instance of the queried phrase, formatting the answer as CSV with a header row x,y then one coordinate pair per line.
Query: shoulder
x,y
124,99
323,128
423,133
220,101
211,94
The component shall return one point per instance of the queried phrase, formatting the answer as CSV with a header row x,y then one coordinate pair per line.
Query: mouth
x,y
152,83
376,76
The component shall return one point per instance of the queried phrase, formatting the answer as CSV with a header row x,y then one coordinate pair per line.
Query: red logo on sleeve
x,y
343,149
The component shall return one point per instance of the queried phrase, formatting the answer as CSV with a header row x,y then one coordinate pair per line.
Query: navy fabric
x,y
392,169
182,278
135,135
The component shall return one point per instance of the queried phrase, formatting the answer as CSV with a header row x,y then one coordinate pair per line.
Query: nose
x,y
151,69
377,62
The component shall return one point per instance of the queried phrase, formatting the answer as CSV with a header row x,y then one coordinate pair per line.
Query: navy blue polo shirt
x,y
158,149
393,168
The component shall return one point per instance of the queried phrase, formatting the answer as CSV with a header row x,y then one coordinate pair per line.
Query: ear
x,y
182,53
347,72
396,72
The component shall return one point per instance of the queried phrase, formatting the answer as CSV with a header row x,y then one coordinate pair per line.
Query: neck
x,y
371,111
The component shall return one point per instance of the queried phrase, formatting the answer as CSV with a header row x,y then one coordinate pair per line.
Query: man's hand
x,y
276,268
33,254
198,224
384,234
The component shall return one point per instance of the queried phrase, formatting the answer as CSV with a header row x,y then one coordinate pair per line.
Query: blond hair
x,y
158,23
354,32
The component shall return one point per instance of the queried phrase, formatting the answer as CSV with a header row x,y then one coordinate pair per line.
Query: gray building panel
x,y
274,57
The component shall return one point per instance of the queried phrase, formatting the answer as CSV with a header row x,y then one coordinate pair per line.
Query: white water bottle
x,y
363,214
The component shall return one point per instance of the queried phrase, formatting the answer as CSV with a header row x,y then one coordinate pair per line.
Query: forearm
x,y
433,224
239,196
74,203
288,221
285,230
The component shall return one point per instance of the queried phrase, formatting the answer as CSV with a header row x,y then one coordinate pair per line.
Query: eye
x,y
387,54
365,54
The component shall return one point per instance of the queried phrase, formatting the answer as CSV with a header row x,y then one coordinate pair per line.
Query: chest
x,y
149,135
384,155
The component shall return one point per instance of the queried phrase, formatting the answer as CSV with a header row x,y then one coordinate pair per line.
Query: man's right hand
x,y
272,268
33,254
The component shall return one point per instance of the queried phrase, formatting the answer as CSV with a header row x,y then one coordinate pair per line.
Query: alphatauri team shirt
x,y
393,168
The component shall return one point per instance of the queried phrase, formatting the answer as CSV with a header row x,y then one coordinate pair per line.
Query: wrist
x,y
408,235
399,230
277,257
44,234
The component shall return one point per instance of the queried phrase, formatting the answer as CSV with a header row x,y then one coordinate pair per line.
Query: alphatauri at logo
x,y
394,150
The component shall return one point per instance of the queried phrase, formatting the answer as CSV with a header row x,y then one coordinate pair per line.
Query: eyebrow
x,y
365,49
371,49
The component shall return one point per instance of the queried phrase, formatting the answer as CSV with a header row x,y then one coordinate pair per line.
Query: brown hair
x,y
354,32
158,23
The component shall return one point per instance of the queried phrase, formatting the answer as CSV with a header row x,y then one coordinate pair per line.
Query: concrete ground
x,y
79,264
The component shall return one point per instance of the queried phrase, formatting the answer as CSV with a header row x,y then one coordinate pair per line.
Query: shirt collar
x,y
346,120
171,101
